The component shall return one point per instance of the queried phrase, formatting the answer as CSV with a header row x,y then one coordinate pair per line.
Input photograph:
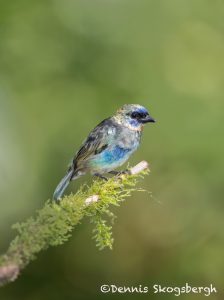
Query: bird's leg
x,y
127,172
119,173
114,172
101,176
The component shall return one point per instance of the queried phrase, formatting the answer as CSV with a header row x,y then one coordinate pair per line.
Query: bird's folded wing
x,y
96,142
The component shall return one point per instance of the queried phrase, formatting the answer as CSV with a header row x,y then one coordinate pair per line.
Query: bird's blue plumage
x,y
110,158
115,154
108,145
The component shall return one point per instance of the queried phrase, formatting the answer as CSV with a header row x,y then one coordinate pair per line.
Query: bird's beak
x,y
147,120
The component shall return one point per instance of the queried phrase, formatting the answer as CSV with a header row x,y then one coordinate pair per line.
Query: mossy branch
x,y
53,224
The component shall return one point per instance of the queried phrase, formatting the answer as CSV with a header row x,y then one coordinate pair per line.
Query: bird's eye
x,y
138,115
135,115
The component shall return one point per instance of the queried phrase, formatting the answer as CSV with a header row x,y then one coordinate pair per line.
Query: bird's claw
x,y
101,176
117,173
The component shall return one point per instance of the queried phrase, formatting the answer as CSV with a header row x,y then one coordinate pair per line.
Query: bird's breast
x,y
121,144
115,154
129,139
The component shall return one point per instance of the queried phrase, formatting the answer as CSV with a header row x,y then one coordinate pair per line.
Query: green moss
x,y
53,224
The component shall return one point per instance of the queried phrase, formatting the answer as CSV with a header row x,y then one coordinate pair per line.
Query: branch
x,y
53,224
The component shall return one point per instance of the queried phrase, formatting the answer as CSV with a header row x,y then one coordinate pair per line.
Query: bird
x,y
108,145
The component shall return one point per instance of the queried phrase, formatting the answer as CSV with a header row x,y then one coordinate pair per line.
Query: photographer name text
x,y
159,289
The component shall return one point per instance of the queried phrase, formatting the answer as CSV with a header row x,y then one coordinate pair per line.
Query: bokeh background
x,y
65,66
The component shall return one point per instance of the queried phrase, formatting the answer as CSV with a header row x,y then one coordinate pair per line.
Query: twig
x,y
54,223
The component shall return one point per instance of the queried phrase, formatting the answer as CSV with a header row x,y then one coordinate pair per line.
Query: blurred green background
x,y
65,66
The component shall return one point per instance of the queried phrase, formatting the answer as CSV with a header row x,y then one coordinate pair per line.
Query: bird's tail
x,y
63,185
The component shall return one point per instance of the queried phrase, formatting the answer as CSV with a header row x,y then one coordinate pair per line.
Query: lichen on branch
x,y
53,224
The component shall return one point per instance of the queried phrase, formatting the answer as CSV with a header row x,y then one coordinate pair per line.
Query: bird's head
x,y
133,116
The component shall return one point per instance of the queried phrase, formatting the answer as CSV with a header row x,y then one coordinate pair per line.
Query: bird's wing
x,y
96,142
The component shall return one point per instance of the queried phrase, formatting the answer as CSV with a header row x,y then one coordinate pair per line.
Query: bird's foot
x,y
125,172
119,176
101,176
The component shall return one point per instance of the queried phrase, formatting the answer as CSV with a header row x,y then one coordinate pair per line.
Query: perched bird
x,y
108,145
